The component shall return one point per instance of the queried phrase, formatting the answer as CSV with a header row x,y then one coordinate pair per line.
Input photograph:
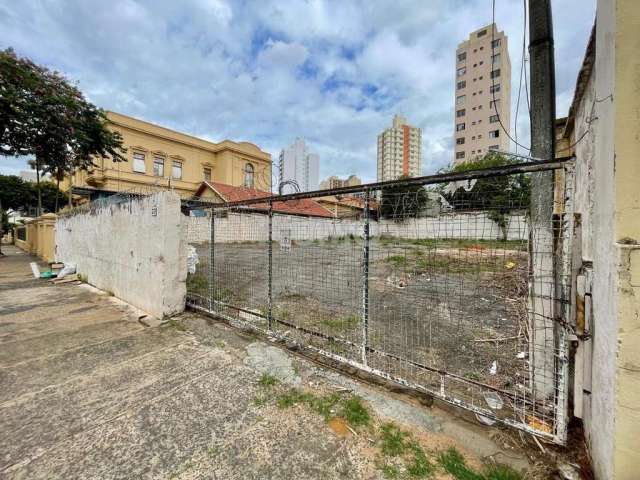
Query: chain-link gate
x,y
448,283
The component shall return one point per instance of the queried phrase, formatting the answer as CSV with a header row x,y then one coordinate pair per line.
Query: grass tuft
x,y
393,440
454,463
267,380
355,412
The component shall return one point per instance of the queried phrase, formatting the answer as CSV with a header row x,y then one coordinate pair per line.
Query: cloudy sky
x,y
267,71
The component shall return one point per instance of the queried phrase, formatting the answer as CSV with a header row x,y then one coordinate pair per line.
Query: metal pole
x,y
212,250
365,280
270,248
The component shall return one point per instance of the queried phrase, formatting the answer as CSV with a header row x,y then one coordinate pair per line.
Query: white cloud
x,y
267,71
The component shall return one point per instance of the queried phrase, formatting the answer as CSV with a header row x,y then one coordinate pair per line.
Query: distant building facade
x,y
337,182
399,151
299,165
158,156
483,76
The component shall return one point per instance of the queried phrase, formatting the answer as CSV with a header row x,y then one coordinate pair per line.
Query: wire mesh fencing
x,y
455,285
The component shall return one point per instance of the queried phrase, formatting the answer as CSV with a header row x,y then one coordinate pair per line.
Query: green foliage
x,y
17,194
342,324
45,116
328,406
355,412
197,283
501,472
267,380
393,440
498,195
454,463
396,260
402,201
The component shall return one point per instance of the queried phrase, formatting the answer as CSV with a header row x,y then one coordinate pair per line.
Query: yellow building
x,y
158,156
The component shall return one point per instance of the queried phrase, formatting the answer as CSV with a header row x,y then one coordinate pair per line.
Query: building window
x,y
460,113
206,174
493,147
480,62
176,171
493,119
495,43
479,136
138,163
158,166
494,88
462,84
495,73
479,107
459,127
494,134
494,103
462,56
482,33
248,175
459,155
496,59
460,141
460,100
461,71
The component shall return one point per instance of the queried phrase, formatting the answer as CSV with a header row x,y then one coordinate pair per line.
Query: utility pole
x,y
541,245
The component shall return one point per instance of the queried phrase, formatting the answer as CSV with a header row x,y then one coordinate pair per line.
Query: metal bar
x,y
526,167
365,280
270,279
212,249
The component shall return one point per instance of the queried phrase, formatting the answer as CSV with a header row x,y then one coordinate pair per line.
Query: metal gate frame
x,y
562,317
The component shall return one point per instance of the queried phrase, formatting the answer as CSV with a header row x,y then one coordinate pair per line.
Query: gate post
x,y
365,282
270,280
212,250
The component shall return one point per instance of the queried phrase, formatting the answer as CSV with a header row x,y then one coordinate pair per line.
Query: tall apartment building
x,y
399,151
483,75
299,165
336,182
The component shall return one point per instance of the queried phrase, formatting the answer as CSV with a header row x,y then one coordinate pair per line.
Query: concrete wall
x,y
39,237
608,198
135,250
254,227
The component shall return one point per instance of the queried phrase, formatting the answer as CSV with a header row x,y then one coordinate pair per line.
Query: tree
x,y
16,194
403,201
43,115
498,196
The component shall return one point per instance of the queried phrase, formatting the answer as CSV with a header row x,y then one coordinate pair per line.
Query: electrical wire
x,y
493,80
524,36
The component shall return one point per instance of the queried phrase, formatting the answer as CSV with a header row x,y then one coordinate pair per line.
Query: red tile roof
x,y
230,193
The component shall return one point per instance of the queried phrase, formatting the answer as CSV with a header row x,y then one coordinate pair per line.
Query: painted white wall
x,y
253,227
135,249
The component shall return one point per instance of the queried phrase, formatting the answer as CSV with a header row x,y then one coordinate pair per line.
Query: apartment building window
x,y
460,113
479,107
496,59
482,33
495,43
460,141
248,175
461,71
176,171
460,100
493,147
494,103
495,73
206,174
494,134
459,127
139,163
493,119
462,56
459,155
462,84
158,166
494,88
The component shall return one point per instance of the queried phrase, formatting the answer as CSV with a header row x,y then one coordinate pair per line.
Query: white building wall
x,y
135,250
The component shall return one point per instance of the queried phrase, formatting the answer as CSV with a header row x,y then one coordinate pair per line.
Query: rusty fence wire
x,y
455,285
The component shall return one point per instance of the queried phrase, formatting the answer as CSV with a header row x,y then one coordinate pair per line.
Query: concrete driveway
x,y
87,391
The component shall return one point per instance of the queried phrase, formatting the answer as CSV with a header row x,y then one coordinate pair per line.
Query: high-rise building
x,y
399,151
336,182
482,94
299,165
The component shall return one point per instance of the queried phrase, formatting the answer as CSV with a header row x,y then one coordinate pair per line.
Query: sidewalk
x,y
87,391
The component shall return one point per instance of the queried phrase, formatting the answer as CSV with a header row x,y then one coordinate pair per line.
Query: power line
x,y
493,80
522,70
